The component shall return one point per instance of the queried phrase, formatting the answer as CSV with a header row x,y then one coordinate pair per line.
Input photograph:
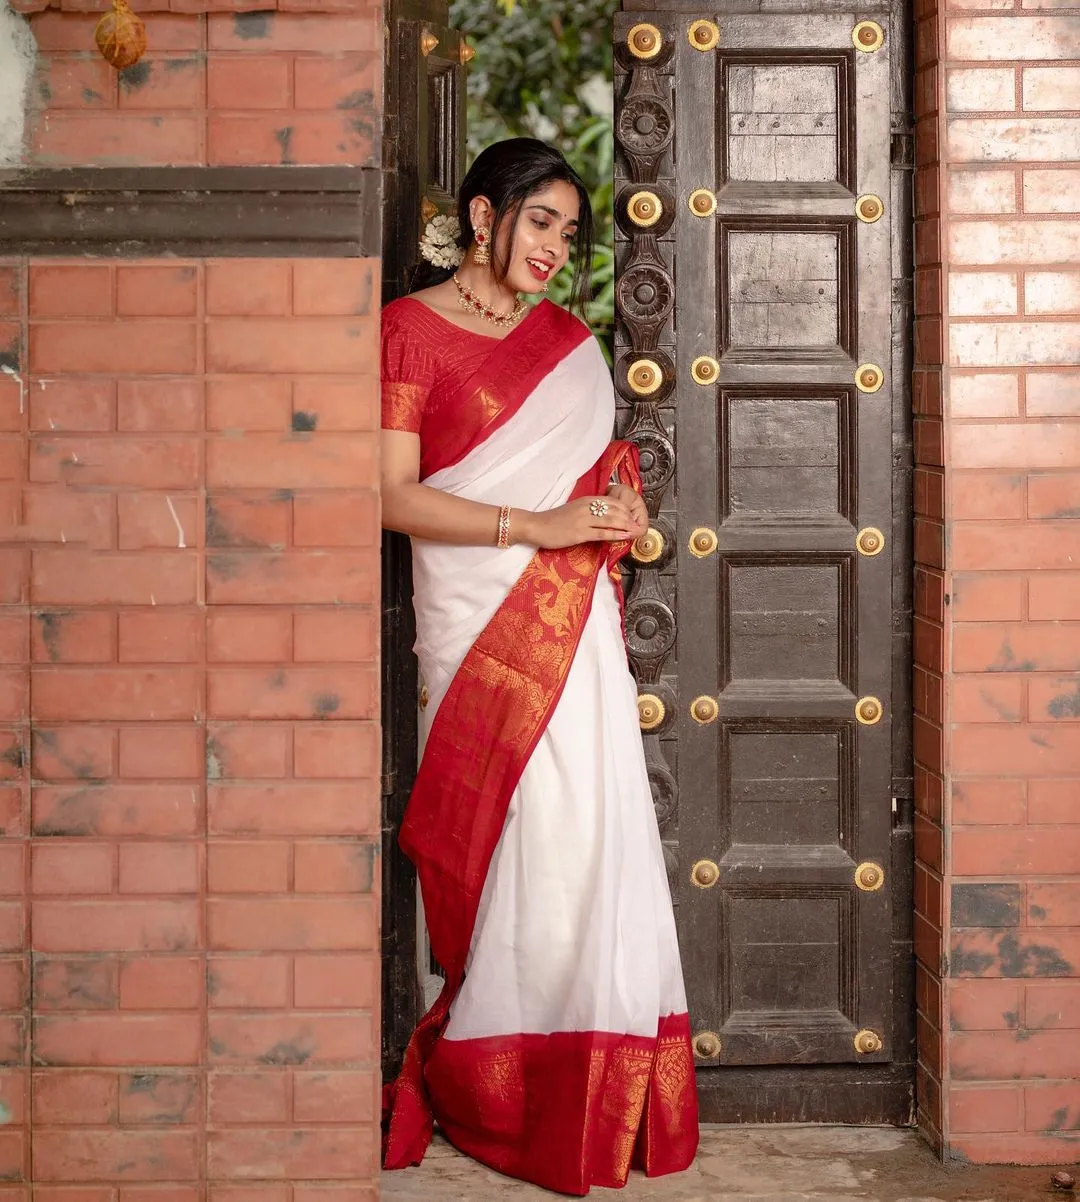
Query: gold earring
x,y
482,254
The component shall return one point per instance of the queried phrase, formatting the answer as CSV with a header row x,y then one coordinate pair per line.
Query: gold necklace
x,y
471,303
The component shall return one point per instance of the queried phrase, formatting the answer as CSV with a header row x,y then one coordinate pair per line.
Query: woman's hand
x,y
634,503
575,523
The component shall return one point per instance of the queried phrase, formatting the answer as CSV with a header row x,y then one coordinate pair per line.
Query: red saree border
x,y
500,386
572,1109
493,715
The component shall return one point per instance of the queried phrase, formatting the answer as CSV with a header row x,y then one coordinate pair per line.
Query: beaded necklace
x,y
471,303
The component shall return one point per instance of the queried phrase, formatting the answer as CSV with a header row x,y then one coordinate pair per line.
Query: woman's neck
x,y
481,281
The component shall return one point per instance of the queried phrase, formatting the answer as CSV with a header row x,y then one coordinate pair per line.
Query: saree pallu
x,y
558,1050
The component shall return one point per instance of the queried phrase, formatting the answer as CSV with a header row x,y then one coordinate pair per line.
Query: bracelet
x,y
504,527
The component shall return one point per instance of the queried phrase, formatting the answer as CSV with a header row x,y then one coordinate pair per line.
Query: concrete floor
x,y
758,1164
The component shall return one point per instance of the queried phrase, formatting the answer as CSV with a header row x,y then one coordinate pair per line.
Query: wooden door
x,y
423,165
761,359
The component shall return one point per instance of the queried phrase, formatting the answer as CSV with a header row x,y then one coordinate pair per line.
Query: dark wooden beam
x,y
191,211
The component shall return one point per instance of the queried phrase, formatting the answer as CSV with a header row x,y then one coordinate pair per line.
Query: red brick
x,y
288,137
73,404
159,637
987,597
290,461
1053,904
337,520
13,1043
334,867
148,519
1050,1006
117,810
161,983
156,291
248,519
291,924
257,982
253,1193
336,749
1008,1149
176,82
12,405
12,459
346,81
14,636
986,495
74,83
243,287
994,1055
14,700
335,636
349,404
244,867
111,140
129,347
151,751
70,290
121,694
248,1097
1053,597
116,1155
988,802
983,698
13,930
298,32
157,1098
10,290
72,636
1053,801
295,693
14,576
1049,952
255,750
995,1109
1052,1107
71,31
247,402
74,577
160,406
293,578
332,287
13,987
74,983
988,851
121,1039
15,1094
126,462
249,81
333,1193
1023,545
299,345
308,1039
1055,699
14,754
251,1152
249,636
13,860
159,867
73,753
72,868
344,1097
296,808
1032,647
62,1097
1054,495
70,518
115,926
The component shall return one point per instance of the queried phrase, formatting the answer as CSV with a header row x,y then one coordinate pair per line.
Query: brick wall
x,y
188,642
998,579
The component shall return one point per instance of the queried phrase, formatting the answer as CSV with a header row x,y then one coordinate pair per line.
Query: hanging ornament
x,y
121,36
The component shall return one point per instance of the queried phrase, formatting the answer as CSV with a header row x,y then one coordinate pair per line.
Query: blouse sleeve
x,y
406,374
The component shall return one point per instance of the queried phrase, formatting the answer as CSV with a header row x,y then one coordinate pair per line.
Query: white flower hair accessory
x,y
440,243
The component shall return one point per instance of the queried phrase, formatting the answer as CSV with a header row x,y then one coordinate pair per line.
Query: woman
x,y
559,1049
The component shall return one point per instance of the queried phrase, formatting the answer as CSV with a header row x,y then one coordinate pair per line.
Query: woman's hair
x,y
508,173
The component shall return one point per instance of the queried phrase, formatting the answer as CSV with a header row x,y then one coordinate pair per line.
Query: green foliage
x,y
543,69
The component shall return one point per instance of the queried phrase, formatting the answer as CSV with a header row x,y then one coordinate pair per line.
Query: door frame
x,y
886,1092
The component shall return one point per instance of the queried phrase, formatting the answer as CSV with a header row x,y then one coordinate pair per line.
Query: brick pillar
x,y
999,579
188,646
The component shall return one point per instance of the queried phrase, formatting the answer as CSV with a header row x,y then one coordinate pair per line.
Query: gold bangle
x,y
504,526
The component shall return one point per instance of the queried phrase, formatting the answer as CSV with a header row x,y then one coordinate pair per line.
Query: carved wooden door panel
x,y
423,164
758,366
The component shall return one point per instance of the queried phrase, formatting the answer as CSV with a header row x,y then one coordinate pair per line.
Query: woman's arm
x,y
427,513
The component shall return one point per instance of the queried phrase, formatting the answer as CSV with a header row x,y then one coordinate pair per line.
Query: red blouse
x,y
425,359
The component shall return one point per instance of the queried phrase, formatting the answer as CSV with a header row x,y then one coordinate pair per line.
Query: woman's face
x,y
540,245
